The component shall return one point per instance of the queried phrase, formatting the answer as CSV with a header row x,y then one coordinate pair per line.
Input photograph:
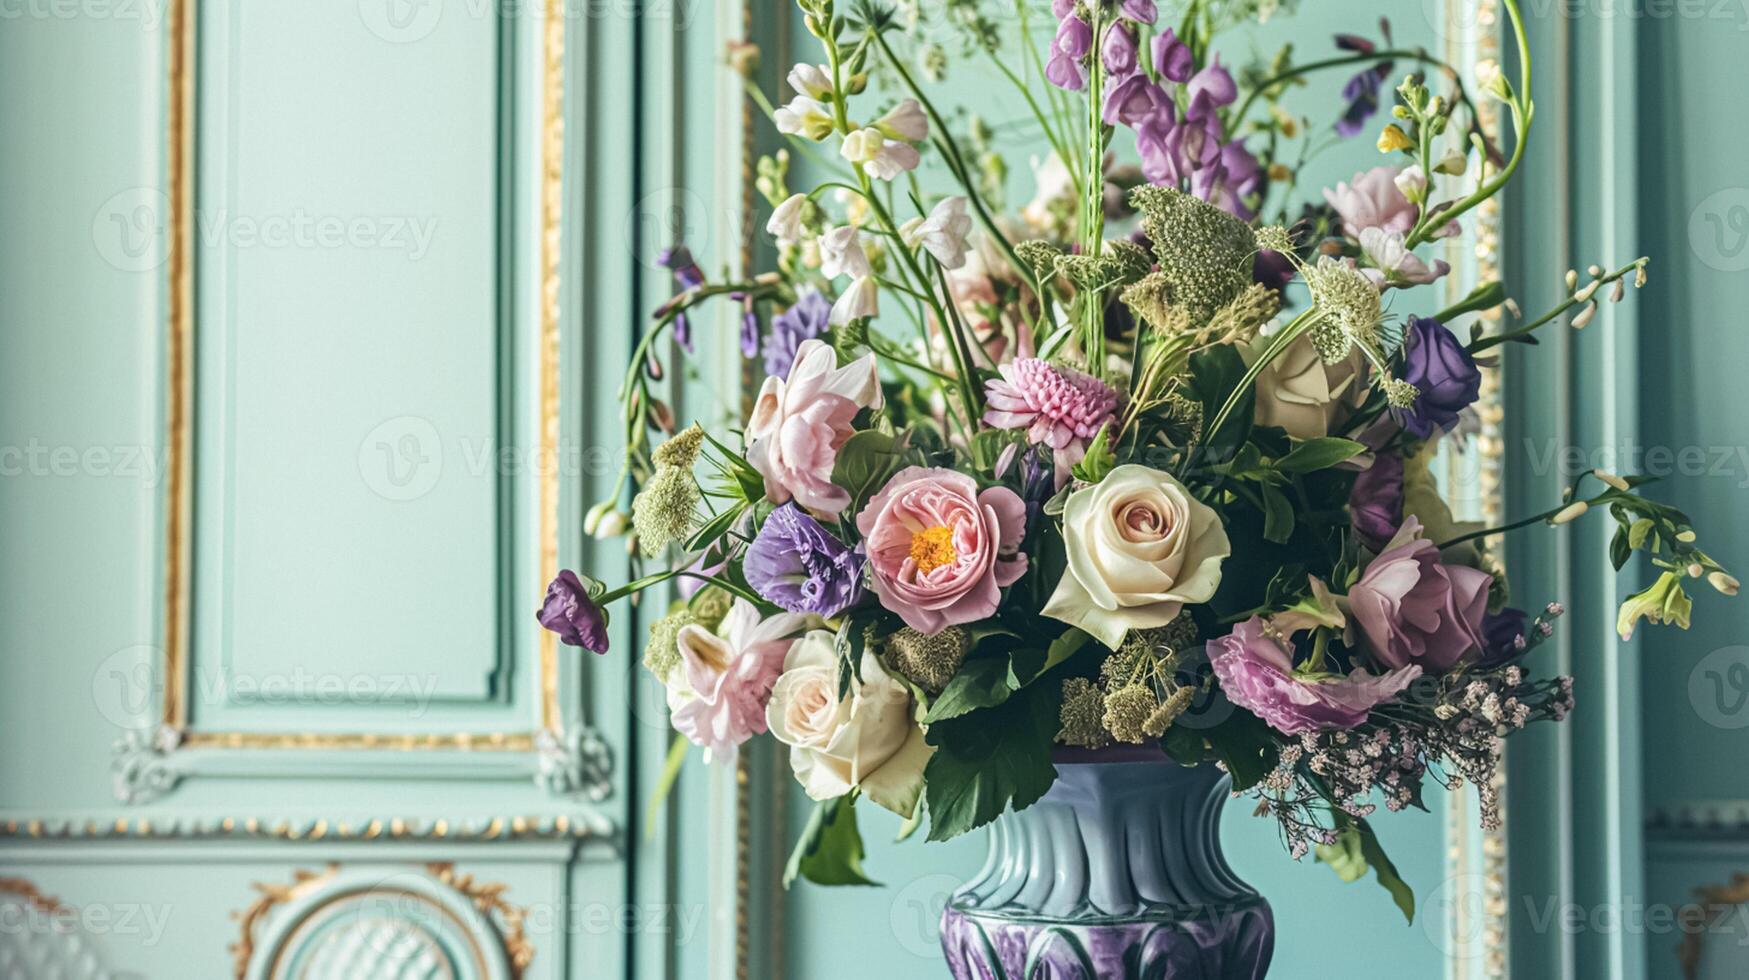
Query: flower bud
x,y
1686,535
612,525
592,518
1611,479
1724,582
1694,569
1572,511
1585,316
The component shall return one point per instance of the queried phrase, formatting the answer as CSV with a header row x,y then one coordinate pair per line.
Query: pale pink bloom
x,y
1256,672
786,219
1412,608
1392,262
841,253
1372,201
718,693
799,423
905,121
814,81
862,299
943,233
1057,406
939,551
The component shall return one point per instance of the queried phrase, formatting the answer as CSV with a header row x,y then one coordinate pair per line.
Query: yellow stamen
x,y
932,548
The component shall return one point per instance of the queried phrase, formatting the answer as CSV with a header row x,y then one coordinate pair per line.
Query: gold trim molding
x,y
504,919
1694,919
179,353
563,826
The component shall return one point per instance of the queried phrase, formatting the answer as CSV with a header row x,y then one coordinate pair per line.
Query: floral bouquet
x,y
1071,479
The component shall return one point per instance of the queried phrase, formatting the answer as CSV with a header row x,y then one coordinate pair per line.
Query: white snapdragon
x,y
943,233
786,220
814,81
803,117
841,253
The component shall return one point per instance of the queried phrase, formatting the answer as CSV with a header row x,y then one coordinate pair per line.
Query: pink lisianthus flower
x,y
1372,200
1057,406
939,551
799,423
1256,672
1412,608
717,695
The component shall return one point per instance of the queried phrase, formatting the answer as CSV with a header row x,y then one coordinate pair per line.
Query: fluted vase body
x,y
1117,872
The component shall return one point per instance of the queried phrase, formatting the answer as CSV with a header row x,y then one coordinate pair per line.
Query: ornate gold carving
x,y
1711,899
489,899
180,407
33,896
272,896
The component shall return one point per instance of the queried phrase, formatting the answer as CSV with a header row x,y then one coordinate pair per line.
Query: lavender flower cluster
x,y
1174,108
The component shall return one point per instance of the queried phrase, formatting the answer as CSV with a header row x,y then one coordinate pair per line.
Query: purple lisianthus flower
x,y
1437,364
807,319
1136,99
1360,99
1503,637
1140,11
1120,50
687,275
749,331
1256,672
573,615
798,565
1375,503
1173,58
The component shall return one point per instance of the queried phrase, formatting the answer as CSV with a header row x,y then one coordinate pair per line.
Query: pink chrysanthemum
x,y
1058,407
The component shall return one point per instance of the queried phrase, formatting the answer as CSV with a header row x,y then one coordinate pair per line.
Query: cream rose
x,y
1140,548
870,740
1301,394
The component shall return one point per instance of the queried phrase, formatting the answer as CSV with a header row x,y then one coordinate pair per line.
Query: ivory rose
x,y
869,740
1307,398
939,551
716,696
1140,548
799,423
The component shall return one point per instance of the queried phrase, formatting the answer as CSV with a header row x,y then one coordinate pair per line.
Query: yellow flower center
x,y
932,548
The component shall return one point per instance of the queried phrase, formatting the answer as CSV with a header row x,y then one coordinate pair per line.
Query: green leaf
x,y
1356,849
1215,373
1278,514
716,527
1244,744
865,462
980,683
750,481
1061,649
829,852
1184,745
1619,550
1099,459
1319,454
1637,532
990,759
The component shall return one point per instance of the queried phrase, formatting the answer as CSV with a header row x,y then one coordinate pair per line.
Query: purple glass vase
x,y
1117,872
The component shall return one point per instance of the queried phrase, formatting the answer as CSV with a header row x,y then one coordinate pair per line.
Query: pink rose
x,y
799,423
717,695
1414,609
1373,201
1256,672
938,550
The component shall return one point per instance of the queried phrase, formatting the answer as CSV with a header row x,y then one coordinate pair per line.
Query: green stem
x,y
1484,343
1523,110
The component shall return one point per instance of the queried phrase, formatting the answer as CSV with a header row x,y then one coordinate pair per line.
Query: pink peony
x,y
1257,673
1373,201
799,423
717,695
938,550
1414,609
1058,407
